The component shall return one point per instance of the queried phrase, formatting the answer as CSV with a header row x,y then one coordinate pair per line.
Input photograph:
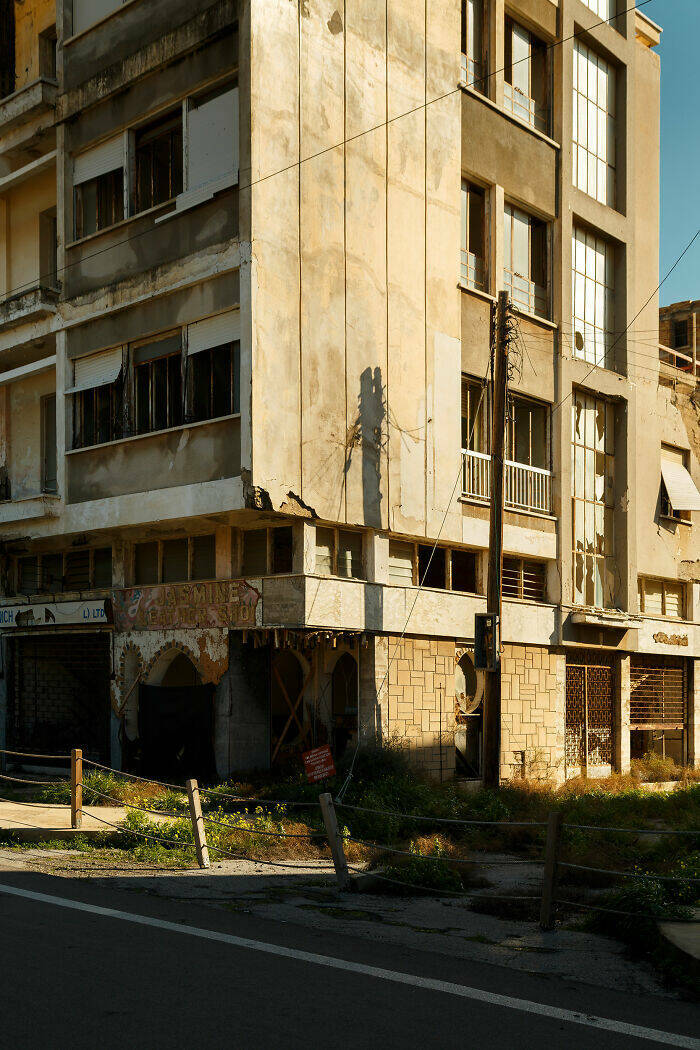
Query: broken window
x,y
473,266
81,569
174,561
214,366
77,570
593,453
28,575
662,597
98,180
527,433
473,65
593,298
97,398
523,579
102,567
463,572
158,155
47,53
158,385
52,576
49,481
593,154
431,566
350,554
525,88
679,494
525,255
680,335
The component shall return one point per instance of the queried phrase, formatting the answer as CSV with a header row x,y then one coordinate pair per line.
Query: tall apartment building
x,y
246,432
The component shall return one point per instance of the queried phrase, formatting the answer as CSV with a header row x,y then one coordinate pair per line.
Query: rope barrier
x,y
253,860
34,805
628,874
27,754
444,820
254,831
132,776
34,783
447,859
143,834
130,805
449,893
634,831
257,801
618,911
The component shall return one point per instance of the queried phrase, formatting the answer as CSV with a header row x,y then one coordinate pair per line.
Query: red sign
x,y
318,763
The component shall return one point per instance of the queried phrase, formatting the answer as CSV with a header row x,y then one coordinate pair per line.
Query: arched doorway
x,y
469,717
344,691
288,731
176,720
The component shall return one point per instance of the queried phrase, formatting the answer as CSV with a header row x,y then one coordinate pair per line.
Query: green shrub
x,y
429,870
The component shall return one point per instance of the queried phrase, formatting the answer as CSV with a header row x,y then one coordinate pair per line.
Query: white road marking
x,y
430,984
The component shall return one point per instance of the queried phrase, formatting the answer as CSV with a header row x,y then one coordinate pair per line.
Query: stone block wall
x,y
413,706
533,706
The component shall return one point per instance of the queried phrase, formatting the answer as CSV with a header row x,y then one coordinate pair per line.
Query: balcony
x,y
473,271
526,488
525,294
32,304
524,108
472,73
681,360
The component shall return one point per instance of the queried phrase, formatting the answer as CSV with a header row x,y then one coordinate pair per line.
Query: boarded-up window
x,y
325,543
400,563
212,129
255,552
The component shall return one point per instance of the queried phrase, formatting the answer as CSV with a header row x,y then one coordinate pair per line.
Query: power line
x,y
320,153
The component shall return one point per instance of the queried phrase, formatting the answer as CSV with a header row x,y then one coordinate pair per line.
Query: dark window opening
x,y
99,203
158,385
52,573
49,480
282,550
146,563
102,567
215,382
431,571
158,150
77,574
47,53
680,334
255,552
97,415
203,557
174,561
350,554
28,575
464,571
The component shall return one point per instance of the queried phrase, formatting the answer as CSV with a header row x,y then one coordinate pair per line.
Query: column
x,y
621,715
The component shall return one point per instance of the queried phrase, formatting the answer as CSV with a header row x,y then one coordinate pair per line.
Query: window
x,y
473,64
411,564
212,131
158,154
175,560
47,53
523,579
87,12
255,552
215,376
527,433
473,266
268,551
97,398
98,179
679,494
401,563
680,335
81,569
593,452
525,76
158,385
662,598
339,553
525,253
49,482
431,566
604,8
594,125
474,416
463,571
593,298
48,249
282,543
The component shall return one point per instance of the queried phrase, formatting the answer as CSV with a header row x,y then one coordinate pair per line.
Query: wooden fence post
x,y
335,840
76,788
200,836
551,860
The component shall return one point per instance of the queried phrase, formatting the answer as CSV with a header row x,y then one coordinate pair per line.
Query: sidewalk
x,y
44,821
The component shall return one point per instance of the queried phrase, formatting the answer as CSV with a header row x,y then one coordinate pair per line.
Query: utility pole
x,y
492,692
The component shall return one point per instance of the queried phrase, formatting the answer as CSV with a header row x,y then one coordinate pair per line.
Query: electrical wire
x,y
442,820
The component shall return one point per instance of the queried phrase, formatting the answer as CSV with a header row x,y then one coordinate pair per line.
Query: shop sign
x,y
53,614
222,603
318,764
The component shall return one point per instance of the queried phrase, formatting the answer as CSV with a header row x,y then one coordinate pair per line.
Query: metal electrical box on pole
x,y
490,641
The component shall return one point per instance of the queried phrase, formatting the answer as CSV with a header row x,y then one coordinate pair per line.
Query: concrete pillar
x,y
223,554
115,747
693,746
497,16
304,548
621,715
376,555
496,197
121,570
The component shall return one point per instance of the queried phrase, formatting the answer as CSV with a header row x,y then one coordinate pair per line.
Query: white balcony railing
x,y
526,488
525,293
524,107
472,73
473,271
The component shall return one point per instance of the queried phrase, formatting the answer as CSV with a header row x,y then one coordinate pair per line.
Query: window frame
x,y
45,436
591,109
193,363
474,54
520,569
585,241
665,583
603,561
149,364
63,555
160,542
336,530
525,106
474,270
535,298
165,125
116,210
447,553
531,404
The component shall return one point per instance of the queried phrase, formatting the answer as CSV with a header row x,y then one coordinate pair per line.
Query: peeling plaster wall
x,y
25,430
23,207
32,17
355,345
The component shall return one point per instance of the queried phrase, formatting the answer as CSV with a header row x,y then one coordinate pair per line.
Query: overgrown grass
x,y
98,783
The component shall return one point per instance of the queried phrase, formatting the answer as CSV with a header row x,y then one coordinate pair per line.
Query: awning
x,y
680,487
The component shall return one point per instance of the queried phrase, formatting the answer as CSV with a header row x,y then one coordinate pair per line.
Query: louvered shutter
x,y
214,331
96,370
108,156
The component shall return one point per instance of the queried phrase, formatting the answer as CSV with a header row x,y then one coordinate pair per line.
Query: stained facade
x,y
245,404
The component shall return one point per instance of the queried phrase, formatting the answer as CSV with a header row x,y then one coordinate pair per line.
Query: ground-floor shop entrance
x,y
58,693
589,713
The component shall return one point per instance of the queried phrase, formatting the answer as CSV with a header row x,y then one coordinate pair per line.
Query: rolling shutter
x,y
96,370
108,156
214,331
212,133
680,487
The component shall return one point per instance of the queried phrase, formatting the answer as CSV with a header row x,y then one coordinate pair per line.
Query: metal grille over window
x,y
523,579
593,500
658,692
589,694
593,152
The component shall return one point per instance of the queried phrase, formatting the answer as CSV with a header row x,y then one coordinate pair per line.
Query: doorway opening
x,y
344,693
176,721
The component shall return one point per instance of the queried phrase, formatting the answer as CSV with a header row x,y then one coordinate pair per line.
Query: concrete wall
x,y
533,702
21,243
32,17
25,434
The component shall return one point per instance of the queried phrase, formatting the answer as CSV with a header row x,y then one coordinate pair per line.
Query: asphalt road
x,y
84,966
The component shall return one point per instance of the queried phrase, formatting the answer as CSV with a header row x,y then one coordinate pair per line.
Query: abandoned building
x,y
250,256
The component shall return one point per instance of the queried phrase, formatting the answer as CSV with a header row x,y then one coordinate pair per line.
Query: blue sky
x,y
680,143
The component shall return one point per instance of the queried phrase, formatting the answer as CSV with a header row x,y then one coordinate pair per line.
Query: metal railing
x,y
473,271
680,359
524,107
525,293
526,488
